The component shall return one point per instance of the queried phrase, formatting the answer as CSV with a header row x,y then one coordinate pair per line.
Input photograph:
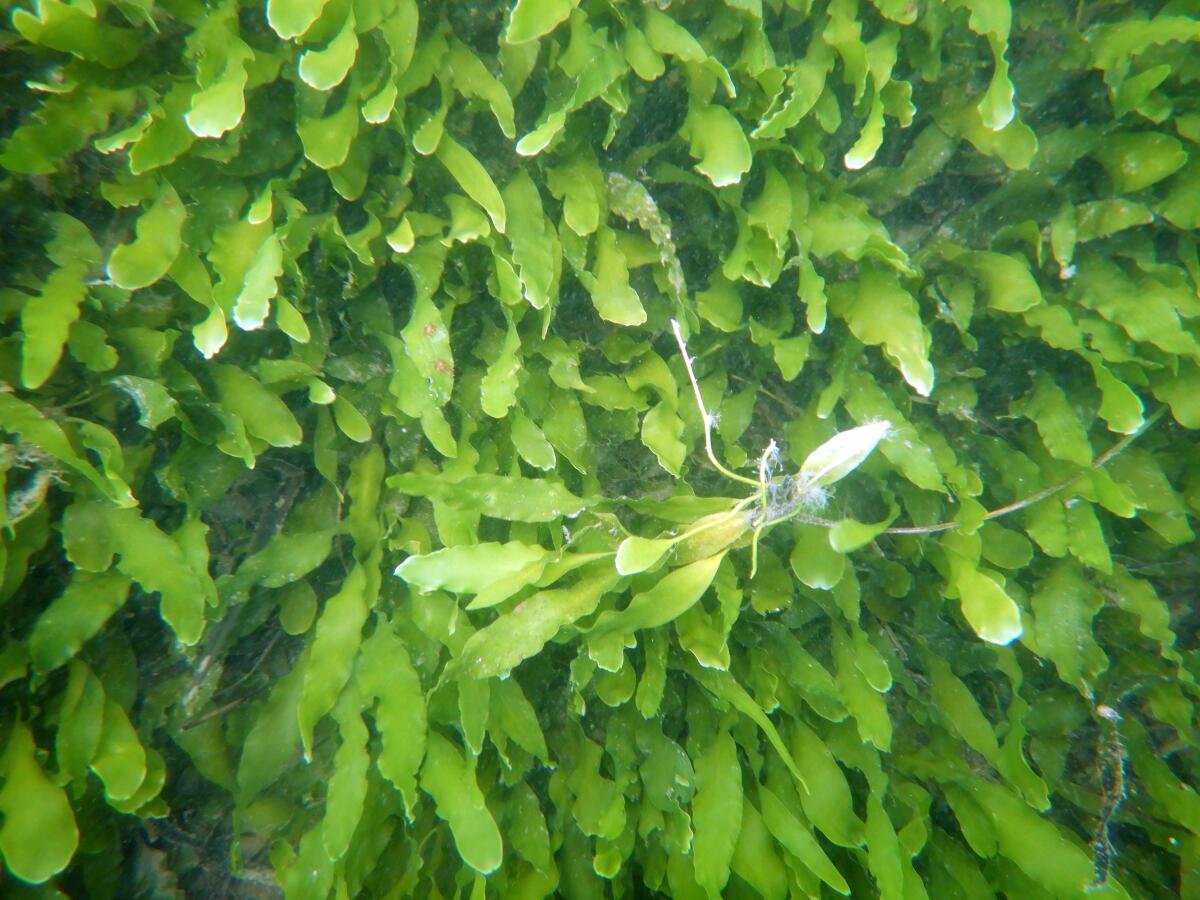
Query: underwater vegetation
x,y
593,449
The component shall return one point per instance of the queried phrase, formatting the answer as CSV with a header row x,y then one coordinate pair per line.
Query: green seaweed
x,y
577,448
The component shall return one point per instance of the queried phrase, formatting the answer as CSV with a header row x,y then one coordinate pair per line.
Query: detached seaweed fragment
x,y
782,498
787,497
630,200
25,495
1110,772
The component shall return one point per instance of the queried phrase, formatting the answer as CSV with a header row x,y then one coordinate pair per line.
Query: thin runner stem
x,y
704,415
1037,496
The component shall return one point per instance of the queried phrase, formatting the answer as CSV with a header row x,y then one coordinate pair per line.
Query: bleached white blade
x,y
841,454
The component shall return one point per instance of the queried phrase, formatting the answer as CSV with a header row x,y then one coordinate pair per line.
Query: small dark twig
x,y
234,704
257,662
214,713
